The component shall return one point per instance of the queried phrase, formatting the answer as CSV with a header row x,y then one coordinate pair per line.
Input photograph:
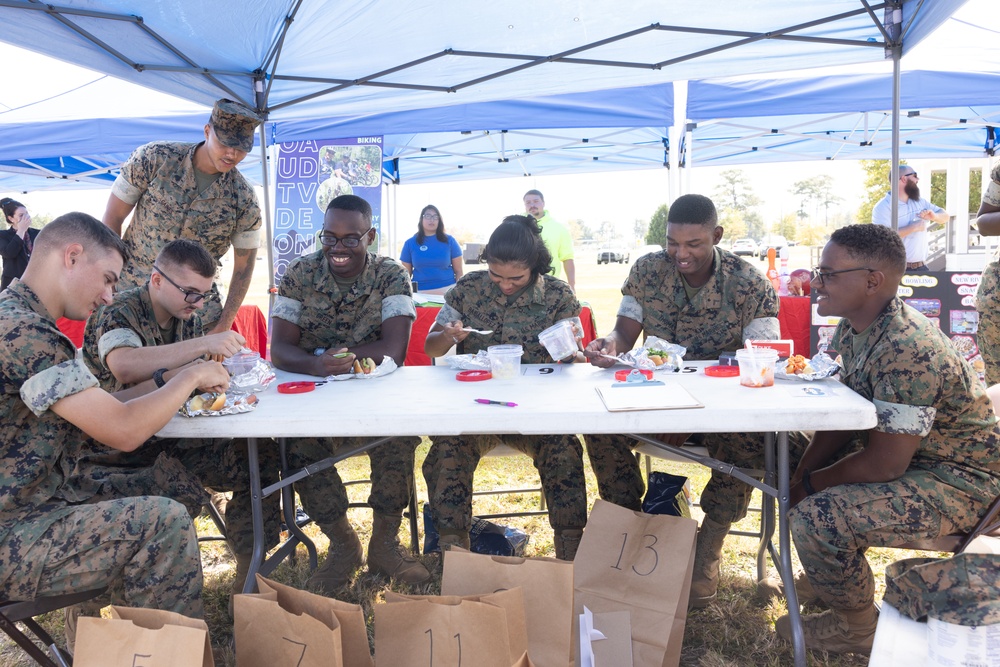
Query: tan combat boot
x,y
449,538
567,541
835,630
242,570
386,556
774,587
342,558
707,554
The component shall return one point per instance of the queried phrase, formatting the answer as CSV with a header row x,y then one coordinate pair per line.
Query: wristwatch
x,y
807,483
158,377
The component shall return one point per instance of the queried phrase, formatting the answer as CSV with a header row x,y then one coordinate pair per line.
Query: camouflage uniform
x,y
920,385
310,298
144,547
735,304
159,180
176,468
988,297
451,462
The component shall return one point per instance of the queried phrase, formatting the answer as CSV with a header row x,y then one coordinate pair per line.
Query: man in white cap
x,y
187,190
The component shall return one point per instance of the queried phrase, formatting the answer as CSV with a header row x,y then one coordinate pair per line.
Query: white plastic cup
x,y
505,361
757,366
559,340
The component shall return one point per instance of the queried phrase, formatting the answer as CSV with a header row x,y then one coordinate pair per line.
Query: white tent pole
x,y
896,48
268,230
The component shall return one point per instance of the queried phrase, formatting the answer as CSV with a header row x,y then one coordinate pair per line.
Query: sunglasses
x,y
190,296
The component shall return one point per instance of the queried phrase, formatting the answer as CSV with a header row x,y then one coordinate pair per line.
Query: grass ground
x,y
735,630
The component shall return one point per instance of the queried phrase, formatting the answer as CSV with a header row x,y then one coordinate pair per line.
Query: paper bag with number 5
x,y
640,563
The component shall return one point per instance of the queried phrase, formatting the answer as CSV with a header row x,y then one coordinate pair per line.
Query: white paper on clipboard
x,y
668,396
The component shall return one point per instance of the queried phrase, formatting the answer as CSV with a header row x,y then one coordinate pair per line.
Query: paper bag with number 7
x,y
436,632
641,563
282,625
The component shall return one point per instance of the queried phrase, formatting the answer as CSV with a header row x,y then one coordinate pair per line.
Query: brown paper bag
x,y
548,596
511,601
424,633
142,638
282,625
641,563
524,661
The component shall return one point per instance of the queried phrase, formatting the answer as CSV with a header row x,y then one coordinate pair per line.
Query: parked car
x,y
609,254
776,241
745,247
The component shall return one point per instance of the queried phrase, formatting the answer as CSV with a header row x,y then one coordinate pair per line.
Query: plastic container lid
x,y
473,376
622,375
721,371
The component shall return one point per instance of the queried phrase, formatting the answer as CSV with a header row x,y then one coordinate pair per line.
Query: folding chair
x,y
989,524
13,612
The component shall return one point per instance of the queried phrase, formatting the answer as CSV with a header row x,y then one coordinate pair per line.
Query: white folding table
x,y
551,399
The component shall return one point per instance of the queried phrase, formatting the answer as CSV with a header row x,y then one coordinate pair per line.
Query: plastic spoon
x,y
478,331
755,372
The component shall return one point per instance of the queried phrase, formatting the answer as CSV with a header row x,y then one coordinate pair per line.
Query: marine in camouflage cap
x,y
234,124
929,467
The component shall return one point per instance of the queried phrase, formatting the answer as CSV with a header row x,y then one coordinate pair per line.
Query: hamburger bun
x,y
219,402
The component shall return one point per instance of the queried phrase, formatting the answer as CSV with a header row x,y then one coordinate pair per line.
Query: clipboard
x,y
666,396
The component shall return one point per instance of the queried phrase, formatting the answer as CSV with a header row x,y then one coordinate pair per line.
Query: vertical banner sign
x,y
946,298
309,175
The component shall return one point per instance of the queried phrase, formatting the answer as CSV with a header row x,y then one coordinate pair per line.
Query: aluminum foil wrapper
x,y
469,362
671,354
822,367
387,366
255,380
236,402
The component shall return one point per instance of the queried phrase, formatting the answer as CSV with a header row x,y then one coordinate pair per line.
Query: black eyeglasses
x,y
190,296
823,275
329,240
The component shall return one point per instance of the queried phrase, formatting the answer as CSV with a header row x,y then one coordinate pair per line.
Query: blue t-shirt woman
x,y
432,258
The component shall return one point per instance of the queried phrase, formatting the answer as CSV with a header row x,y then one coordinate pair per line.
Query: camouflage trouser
x,y
833,528
181,469
323,495
451,464
724,500
988,334
145,549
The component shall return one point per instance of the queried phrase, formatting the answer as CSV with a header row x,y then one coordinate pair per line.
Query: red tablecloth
x,y
425,319
794,316
252,325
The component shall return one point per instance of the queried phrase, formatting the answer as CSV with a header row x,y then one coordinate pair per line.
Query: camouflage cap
x,y
234,124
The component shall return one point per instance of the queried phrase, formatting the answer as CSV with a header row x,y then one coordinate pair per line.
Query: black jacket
x,y
15,256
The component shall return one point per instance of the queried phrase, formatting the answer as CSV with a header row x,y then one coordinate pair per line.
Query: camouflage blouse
x,y
736,303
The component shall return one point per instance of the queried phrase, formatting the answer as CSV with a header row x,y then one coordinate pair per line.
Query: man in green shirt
x,y
556,237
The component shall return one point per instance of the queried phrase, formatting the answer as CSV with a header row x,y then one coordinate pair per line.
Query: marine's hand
x,y
336,362
224,344
208,376
453,331
598,347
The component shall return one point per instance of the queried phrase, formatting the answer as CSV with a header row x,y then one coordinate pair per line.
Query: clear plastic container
x,y
757,366
505,361
241,362
560,340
